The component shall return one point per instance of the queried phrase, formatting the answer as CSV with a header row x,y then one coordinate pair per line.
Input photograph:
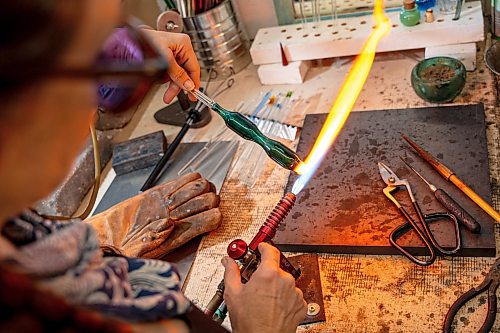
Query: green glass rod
x,y
245,128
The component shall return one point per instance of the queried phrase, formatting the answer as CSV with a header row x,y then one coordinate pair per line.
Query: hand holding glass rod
x,y
245,128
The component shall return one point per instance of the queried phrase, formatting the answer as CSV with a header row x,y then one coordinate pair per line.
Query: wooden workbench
x,y
361,293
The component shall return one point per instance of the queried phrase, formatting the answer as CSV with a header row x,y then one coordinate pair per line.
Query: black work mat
x,y
127,185
343,210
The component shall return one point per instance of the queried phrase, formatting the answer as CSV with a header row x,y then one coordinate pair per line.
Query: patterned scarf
x,y
65,258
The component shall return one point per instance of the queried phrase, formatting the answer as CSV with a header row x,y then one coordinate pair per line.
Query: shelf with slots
x,y
346,36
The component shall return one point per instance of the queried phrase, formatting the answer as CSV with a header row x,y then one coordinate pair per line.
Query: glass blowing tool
x,y
193,115
451,205
489,285
248,256
245,128
450,176
423,231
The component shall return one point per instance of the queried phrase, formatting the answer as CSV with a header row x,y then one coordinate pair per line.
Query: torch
x,y
248,256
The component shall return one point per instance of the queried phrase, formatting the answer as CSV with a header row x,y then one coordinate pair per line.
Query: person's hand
x,y
183,67
269,302
161,219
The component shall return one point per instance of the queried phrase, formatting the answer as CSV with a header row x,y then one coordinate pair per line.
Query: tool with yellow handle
x,y
452,177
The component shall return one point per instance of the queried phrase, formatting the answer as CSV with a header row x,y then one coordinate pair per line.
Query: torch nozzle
x,y
281,210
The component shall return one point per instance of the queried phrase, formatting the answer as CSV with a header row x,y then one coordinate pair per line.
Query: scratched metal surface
x,y
343,210
309,282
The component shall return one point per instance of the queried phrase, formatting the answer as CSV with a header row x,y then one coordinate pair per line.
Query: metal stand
x,y
177,113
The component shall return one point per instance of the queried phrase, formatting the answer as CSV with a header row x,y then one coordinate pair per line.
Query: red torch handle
x,y
238,250
268,230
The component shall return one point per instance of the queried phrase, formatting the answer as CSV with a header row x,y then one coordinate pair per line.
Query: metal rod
x,y
153,177
458,10
193,115
207,101
451,205
432,187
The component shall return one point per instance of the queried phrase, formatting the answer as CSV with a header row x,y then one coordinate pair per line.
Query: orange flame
x,y
346,98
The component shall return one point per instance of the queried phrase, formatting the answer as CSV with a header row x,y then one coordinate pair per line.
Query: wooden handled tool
x,y
452,177
451,205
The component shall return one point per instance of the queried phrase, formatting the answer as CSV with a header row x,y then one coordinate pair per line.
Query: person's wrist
x,y
251,327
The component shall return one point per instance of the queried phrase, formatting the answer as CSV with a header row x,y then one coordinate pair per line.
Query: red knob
x,y
237,249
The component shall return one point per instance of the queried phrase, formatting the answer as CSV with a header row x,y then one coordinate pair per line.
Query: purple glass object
x,y
120,47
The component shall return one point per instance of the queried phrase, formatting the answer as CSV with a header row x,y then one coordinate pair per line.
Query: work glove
x,y
161,219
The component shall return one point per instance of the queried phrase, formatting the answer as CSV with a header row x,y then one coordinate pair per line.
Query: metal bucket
x,y
211,19
235,61
218,40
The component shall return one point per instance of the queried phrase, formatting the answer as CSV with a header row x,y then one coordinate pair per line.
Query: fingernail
x,y
189,85
224,261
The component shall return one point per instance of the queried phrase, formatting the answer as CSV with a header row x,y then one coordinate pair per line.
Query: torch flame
x,y
346,98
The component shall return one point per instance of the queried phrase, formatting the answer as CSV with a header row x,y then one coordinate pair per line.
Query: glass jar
x,y
447,7
409,15
438,79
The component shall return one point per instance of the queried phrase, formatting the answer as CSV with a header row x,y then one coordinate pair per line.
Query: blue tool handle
x,y
461,214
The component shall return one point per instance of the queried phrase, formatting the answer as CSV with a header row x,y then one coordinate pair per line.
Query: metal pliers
x,y
424,232
490,283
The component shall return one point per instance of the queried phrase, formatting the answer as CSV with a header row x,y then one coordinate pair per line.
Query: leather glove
x,y
155,222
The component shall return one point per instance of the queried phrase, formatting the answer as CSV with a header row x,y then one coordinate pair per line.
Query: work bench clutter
x,y
249,166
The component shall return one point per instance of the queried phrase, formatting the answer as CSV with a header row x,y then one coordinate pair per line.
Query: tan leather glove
x,y
161,219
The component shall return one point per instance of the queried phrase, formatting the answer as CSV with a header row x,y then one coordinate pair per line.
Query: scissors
x,y
490,283
424,232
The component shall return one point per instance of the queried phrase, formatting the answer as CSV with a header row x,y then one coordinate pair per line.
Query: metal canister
x,y
218,40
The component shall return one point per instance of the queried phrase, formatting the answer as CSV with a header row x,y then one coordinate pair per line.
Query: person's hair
x,y
33,34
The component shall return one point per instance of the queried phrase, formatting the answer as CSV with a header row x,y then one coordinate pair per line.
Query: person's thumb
x,y
232,277
179,76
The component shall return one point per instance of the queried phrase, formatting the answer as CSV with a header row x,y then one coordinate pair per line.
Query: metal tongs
x,y
490,284
424,232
